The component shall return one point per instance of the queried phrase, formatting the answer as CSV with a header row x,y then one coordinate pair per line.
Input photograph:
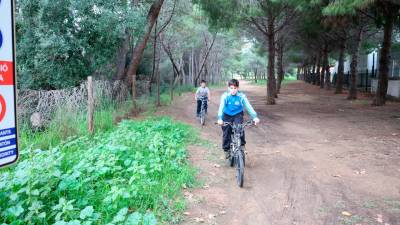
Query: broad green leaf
x,y
121,215
134,219
86,212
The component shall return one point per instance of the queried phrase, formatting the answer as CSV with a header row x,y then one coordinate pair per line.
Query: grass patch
x,y
355,219
286,81
370,204
323,211
130,174
70,123
393,204
148,104
361,102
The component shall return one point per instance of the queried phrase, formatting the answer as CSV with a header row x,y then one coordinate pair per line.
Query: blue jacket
x,y
233,104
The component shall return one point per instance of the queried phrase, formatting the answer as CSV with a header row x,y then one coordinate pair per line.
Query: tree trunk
x,y
327,76
271,83
183,69
171,85
300,73
181,72
158,83
219,78
205,59
192,68
206,75
255,75
139,48
384,60
353,66
154,57
340,75
195,67
280,67
314,66
122,56
324,65
158,76
167,50
318,74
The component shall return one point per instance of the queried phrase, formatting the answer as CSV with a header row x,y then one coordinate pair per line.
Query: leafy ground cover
x,y
132,174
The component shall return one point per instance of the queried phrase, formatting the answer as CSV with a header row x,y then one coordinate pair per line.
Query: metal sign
x,y
8,113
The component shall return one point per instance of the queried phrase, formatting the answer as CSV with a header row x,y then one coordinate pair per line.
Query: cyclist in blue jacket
x,y
231,110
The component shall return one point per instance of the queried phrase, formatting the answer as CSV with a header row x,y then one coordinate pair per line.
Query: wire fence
x,y
45,104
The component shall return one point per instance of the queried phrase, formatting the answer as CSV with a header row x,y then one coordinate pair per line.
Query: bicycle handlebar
x,y
245,124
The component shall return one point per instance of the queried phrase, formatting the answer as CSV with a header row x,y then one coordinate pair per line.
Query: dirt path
x,y
314,158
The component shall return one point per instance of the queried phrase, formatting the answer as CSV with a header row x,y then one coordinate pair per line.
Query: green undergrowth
x,y
130,174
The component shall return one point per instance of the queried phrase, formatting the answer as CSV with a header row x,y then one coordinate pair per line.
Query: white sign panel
x,y
8,120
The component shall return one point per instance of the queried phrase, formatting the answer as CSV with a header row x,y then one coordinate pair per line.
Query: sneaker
x,y
227,154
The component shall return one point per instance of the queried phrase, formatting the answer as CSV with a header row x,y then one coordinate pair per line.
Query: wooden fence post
x,y
90,105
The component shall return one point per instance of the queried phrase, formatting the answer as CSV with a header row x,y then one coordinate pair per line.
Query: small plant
x,y
393,204
355,219
340,204
370,204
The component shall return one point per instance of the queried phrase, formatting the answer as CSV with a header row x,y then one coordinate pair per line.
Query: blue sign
x,y
7,132
1,36
8,143
8,153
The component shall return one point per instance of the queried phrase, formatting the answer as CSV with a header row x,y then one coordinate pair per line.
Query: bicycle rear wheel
x,y
240,169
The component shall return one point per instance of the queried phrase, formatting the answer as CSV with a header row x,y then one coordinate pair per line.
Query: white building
x,y
367,72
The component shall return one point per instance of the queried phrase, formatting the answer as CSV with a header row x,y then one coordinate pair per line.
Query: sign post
x,y
8,113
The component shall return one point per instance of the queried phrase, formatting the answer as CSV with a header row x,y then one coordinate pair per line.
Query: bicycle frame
x,y
237,130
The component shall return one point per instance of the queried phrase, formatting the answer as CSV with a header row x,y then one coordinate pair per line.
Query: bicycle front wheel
x,y
240,169
243,155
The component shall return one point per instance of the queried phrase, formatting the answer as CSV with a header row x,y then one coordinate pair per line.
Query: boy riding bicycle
x,y
231,110
202,94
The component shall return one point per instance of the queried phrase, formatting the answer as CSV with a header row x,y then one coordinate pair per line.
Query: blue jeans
x,y
199,105
227,130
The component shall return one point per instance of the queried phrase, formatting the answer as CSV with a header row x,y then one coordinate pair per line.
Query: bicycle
x,y
236,151
202,115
